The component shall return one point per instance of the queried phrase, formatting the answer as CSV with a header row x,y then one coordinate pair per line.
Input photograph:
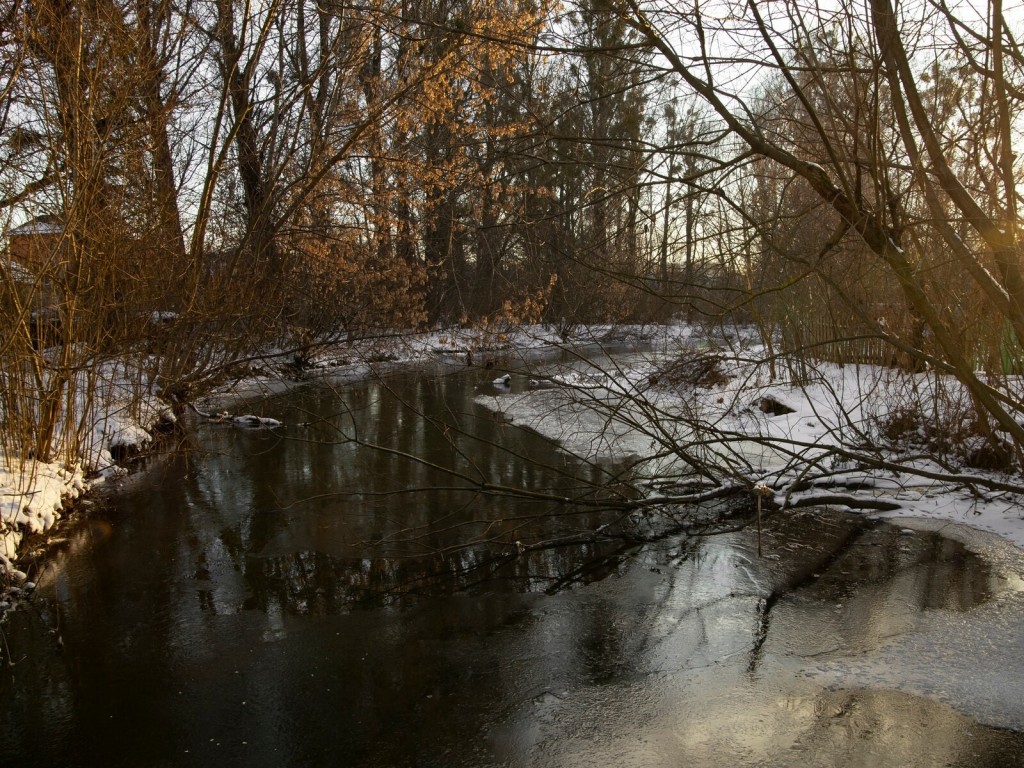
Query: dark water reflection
x,y
271,601
318,486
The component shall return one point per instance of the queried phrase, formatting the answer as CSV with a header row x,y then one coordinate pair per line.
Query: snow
x,y
31,501
41,225
610,410
837,408
33,494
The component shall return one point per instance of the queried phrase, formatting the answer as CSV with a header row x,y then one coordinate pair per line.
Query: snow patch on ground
x,y
116,415
613,410
31,501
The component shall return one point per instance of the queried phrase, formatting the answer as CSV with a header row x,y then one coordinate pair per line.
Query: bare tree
x,y
895,190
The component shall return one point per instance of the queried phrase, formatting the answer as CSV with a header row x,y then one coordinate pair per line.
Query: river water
x,y
296,597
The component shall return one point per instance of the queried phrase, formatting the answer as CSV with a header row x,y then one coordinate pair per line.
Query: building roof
x,y
16,271
40,225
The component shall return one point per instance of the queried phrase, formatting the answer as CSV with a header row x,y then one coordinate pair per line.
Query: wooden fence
x,y
850,343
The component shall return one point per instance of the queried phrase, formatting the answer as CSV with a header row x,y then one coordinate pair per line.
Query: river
x,y
311,596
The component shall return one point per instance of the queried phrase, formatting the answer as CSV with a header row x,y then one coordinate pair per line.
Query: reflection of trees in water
x,y
407,458
388,489
317,583
875,578
930,570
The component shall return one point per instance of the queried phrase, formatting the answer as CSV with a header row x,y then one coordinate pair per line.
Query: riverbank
x,y
236,592
881,441
35,495
116,416
734,392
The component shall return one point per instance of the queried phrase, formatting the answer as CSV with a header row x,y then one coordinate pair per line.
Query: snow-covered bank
x,y
796,438
32,500
116,415
860,435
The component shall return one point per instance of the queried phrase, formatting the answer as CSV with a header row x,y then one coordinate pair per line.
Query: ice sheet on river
x,y
973,660
609,432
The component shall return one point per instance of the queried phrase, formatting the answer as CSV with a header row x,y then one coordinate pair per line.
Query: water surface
x,y
282,599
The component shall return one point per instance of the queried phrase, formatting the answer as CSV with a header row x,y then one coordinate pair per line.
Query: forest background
x,y
189,185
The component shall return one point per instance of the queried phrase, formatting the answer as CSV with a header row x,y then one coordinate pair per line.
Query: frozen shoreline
x,y
839,406
33,498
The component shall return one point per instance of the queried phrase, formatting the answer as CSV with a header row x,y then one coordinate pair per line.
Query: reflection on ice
x,y
970,662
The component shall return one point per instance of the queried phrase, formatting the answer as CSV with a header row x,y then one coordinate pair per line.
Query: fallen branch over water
x,y
835,499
